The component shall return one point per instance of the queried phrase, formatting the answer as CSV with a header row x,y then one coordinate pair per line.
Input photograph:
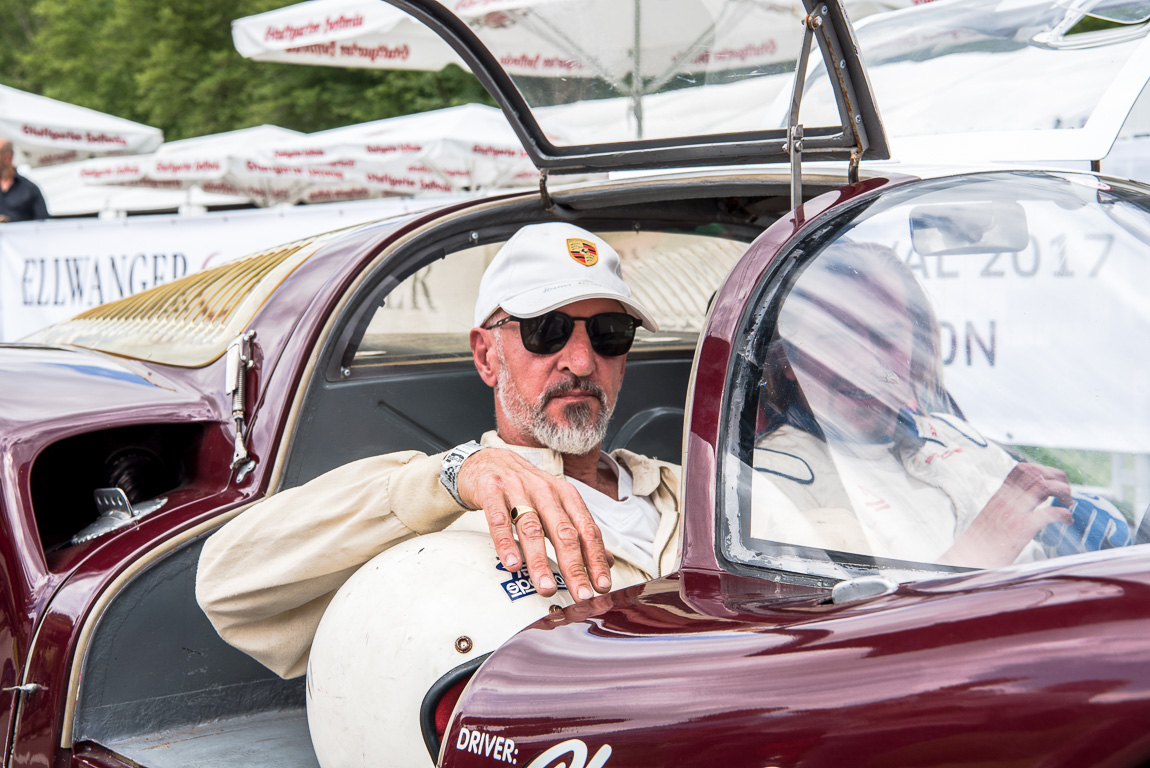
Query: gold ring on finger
x,y
519,512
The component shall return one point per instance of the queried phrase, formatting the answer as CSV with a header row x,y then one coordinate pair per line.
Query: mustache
x,y
574,384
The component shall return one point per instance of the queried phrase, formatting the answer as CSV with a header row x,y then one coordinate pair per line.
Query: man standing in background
x,y
20,199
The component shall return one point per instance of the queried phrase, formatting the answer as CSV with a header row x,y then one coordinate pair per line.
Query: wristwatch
x,y
449,469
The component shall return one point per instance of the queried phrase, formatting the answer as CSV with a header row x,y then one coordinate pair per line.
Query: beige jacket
x,y
799,496
266,577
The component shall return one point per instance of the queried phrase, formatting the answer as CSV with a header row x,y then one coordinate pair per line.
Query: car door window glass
x,y
953,381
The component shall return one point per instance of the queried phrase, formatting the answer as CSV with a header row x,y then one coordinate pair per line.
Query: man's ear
x,y
484,355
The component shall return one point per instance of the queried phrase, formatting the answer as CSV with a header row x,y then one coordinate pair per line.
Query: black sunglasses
x,y
611,333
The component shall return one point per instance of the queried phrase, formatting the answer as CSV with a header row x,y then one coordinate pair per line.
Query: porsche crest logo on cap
x,y
583,251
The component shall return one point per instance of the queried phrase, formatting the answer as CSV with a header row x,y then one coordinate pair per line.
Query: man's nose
x,y
577,355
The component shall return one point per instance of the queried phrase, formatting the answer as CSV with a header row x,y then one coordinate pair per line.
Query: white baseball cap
x,y
547,266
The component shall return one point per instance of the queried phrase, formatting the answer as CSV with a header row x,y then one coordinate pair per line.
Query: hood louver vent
x,y
187,322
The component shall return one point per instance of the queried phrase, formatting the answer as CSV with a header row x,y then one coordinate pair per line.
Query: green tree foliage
x,y
16,28
172,64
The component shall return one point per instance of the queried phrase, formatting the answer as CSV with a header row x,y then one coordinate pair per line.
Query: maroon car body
x,y
758,651
1042,666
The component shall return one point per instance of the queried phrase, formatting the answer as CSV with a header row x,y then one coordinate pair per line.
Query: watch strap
x,y
449,469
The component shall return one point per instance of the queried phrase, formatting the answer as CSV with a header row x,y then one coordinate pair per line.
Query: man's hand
x,y
495,480
1017,511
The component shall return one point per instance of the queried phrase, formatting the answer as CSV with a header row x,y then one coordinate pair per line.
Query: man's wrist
x,y
449,468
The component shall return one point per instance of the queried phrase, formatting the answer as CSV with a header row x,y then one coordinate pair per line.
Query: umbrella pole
x,y
637,74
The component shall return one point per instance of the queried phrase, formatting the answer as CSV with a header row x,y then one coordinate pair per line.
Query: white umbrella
x,y
449,150
639,47
68,195
207,163
343,33
542,37
534,37
47,131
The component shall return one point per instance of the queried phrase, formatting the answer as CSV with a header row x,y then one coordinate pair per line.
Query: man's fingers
x,y
592,552
583,552
497,481
499,524
568,553
534,546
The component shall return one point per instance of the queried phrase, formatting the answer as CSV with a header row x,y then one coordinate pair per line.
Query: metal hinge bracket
x,y
544,193
239,360
794,128
550,204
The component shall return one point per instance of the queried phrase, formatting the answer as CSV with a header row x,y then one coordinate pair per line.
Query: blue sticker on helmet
x,y
519,585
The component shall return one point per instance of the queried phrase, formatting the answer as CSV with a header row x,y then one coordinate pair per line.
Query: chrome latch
x,y
239,360
115,511
862,588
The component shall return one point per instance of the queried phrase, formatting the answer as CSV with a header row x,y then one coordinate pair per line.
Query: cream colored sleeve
x,y
265,578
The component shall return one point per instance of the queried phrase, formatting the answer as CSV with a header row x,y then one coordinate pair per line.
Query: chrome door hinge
x,y
239,360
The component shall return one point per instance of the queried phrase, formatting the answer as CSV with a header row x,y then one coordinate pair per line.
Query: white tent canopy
x,y
46,131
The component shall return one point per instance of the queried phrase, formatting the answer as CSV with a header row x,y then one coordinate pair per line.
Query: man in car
x,y
553,322
20,199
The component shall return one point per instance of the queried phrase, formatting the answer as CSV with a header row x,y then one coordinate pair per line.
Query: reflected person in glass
x,y
864,449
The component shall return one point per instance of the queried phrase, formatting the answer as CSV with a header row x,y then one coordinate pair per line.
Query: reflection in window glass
x,y
976,61
429,315
619,70
955,381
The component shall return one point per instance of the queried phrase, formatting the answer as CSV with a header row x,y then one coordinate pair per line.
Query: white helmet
x,y
401,622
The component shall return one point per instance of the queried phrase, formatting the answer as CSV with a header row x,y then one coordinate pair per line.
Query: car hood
x,y
52,384
701,658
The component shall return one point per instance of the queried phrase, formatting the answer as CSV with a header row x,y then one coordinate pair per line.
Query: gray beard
x,y
582,434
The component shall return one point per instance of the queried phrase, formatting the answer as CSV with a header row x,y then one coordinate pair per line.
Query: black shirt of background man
x,y
22,202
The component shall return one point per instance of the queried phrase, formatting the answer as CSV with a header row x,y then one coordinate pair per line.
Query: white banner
x,y
1041,346
52,270
1045,345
